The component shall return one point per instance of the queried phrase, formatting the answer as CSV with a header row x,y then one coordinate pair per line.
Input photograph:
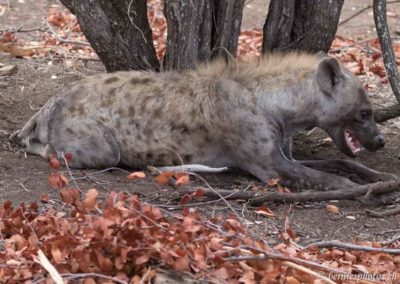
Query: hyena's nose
x,y
380,141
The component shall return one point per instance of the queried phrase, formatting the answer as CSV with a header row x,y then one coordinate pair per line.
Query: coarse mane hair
x,y
275,63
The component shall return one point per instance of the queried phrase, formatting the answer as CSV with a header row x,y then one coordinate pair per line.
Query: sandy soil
x,y
24,179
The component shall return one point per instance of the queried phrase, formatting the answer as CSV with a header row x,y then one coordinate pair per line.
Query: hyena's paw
x,y
380,199
385,177
334,184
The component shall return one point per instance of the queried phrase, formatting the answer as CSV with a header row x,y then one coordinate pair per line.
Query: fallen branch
x,y
389,212
387,113
338,244
256,198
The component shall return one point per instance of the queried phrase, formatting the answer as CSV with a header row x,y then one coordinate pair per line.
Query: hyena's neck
x,y
296,107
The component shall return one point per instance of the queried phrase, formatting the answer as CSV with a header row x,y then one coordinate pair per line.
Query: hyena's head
x,y
346,113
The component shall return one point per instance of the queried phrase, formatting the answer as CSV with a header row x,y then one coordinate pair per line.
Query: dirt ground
x,y
24,179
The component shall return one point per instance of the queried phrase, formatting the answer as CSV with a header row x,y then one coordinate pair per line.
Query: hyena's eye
x,y
365,113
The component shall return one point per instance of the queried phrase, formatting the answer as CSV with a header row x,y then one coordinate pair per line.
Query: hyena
x,y
240,115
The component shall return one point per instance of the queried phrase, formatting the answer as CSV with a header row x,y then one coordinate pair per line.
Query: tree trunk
x,y
227,22
388,55
200,30
189,33
118,31
301,25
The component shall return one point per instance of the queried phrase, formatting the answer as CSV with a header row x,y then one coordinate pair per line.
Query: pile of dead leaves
x,y
121,239
363,58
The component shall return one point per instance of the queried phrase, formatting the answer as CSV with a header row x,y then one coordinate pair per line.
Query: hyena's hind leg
x,y
94,147
37,148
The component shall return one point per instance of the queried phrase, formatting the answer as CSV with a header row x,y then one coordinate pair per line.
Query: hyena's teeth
x,y
352,142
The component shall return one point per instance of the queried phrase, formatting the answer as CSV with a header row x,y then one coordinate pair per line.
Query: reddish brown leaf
x,y
142,259
54,163
264,211
90,199
44,198
186,199
136,175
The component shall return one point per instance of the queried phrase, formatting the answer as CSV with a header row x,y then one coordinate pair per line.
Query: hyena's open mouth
x,y
352,142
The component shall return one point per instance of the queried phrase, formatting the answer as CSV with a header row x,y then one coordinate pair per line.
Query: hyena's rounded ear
x,y
329,75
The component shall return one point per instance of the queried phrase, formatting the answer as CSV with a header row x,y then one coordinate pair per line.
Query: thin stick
x,y
362,11
308,271
71,276
46,264
61,40
267,255
338,244
389,212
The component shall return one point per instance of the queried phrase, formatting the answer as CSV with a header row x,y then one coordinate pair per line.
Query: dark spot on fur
x,y
203,129
70,131
72,108
161,159
136,81
187,158
181,129
207,139
157,113
131,111
81,110
149,156
147,132
264,139
139,137
111,80
176,161
118,124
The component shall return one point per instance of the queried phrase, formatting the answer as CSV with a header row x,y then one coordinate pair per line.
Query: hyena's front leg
x,y
304,177
350,169
363,175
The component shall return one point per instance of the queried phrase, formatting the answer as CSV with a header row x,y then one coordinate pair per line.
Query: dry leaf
x,y
264,211
332,208
136,175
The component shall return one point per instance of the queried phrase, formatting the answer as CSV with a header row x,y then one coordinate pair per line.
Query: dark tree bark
x,y
189,33
388,56
119,32
200,30
301,25
227,20
389,59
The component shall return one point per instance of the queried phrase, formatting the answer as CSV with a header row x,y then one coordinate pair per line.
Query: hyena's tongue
x,y
352,142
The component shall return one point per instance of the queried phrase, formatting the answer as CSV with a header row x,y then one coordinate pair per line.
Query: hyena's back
x,y
129,118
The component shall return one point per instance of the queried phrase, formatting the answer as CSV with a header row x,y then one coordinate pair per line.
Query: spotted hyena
x,y
240,115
